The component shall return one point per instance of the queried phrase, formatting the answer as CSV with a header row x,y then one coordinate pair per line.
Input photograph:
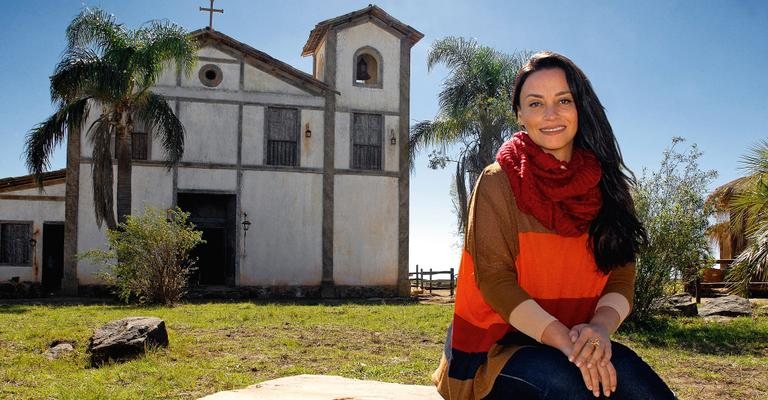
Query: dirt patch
x,y
719,380
437,296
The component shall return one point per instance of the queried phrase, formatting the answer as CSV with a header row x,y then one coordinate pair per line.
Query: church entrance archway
x,y
214,215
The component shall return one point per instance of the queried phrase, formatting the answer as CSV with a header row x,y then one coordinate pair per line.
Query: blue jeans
x,y
541,372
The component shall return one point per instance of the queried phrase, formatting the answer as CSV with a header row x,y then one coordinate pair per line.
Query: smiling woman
x,y
548,113
547,272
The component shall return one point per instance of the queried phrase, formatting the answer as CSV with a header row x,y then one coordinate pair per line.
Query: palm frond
x,y
454,52
40,142
440,132
94,27
750,206
160,119
418,139
100,135
43,138
750,264
755,162
159,42
82,73
462,195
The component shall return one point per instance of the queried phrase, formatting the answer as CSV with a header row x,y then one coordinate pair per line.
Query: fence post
x,y
452,282
421,279
417,276
698,289
430,281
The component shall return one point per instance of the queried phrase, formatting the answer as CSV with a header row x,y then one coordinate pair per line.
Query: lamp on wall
x,y
392,138
33,242
307,132
246,224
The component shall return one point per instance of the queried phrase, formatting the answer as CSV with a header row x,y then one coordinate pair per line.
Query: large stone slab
x,y
320,387
125,339
728,306
681,304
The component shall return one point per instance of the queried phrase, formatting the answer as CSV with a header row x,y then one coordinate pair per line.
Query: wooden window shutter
x,y
366,141
139,146
282,136
14,244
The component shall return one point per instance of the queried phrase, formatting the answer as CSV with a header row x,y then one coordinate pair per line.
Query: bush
x,y
671,204
148,257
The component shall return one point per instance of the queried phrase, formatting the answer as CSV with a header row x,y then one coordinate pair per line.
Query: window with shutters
x,y
15,248
367,134
282,136
139,146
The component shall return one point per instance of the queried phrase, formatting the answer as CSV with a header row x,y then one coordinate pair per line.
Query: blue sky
x,y
693,68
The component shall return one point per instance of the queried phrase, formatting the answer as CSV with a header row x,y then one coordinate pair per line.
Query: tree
x,y
148,257
670,202
747,205
475,111
108,70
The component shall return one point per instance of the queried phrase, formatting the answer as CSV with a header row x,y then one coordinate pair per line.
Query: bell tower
x,y
365,57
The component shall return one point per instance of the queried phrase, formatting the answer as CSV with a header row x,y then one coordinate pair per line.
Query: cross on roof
x,y
211,10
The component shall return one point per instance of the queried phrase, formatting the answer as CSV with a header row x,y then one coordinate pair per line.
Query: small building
x,y
318,164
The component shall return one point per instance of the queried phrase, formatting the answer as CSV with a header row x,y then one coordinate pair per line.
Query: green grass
x,y
705,360
222,346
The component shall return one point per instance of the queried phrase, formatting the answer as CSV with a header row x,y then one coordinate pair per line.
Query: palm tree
x,y
107,71
475,111
748,208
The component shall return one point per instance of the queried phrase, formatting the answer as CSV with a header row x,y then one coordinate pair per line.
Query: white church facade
x,y
298,181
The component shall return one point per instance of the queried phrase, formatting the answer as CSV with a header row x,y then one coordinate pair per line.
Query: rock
x,y
127,338
59,348
728,306
318,387
681,304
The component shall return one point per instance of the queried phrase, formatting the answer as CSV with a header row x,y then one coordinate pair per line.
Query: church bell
x,y
362,70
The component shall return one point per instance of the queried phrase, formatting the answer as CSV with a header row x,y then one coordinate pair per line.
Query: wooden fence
x,y
423,279
715,278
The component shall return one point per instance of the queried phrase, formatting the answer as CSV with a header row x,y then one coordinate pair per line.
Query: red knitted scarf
x,y
562,196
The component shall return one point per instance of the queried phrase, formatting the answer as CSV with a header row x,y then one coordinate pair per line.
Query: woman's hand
x,y
591,345
598,376
558,336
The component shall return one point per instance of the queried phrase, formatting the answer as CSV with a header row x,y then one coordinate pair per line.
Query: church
x,y
298,181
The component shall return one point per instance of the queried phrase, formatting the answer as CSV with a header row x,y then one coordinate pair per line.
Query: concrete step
x,y
321,387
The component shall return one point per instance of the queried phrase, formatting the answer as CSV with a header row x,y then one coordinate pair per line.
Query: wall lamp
x,y
392,138
307,132
246,223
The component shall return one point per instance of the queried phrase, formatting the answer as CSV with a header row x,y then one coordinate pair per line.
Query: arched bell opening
x,y
367,68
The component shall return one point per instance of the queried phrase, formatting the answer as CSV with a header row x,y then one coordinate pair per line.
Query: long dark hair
x,y
615,234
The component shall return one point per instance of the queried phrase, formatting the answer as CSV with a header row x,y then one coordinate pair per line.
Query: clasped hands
x,y
591,353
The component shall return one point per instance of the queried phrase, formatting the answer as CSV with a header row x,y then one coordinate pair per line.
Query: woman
x,y
547,270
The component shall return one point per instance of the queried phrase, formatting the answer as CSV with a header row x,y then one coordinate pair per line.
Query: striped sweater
x,y
517,277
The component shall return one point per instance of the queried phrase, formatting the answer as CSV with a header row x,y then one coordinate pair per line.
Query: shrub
x,y
148,257
671,204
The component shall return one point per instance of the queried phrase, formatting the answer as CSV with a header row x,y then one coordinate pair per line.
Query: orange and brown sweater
x,y
517,276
